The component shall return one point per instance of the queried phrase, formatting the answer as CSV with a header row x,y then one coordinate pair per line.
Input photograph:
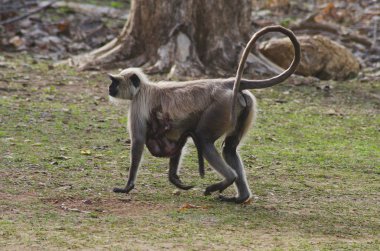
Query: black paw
x,y
182,186
227,199
237,200
207,192
175,180
127,189
221,186
213,188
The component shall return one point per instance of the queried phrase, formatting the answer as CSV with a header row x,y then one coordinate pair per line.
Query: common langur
x,y
162,115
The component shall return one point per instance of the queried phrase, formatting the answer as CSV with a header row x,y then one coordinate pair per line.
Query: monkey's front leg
x,y
173,172
137,150
138,141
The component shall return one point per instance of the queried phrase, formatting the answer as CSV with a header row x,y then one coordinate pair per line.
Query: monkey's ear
x,y
135,80
113,79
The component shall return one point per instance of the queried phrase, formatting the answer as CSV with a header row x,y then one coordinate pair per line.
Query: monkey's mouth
x,y
112,92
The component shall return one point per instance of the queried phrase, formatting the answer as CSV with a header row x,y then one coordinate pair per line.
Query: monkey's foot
x,y
127,189
237,200
175,180
211,189
221,186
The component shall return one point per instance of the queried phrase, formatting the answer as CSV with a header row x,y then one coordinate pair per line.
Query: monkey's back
x,y
181,99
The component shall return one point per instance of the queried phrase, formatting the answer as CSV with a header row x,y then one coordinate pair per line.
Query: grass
x,y
118,4
312,161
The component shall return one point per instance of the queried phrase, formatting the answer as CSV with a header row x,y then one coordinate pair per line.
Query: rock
x,y
17,42
321,57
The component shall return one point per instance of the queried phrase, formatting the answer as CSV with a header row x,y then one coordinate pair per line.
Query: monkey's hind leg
x,y
216,161
233,159
230,151
213,124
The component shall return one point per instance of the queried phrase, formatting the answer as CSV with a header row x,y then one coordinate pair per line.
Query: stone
x,y
320,57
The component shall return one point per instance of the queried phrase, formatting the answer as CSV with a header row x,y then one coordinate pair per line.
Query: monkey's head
x,y
124,85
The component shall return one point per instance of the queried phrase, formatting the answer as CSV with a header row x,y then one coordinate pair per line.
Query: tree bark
x,y
192,37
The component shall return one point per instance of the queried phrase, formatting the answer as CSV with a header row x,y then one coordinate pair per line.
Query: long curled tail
x,y
240,84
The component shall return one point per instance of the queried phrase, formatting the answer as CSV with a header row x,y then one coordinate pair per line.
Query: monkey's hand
x,y
127,189
175,180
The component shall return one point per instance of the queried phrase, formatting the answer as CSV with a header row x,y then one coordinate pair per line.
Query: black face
x,y
113,87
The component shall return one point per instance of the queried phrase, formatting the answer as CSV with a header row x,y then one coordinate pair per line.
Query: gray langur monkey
x,y
162,115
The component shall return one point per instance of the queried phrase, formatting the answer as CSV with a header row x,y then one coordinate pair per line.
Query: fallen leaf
x,y
191,206
329,8
85,152
63,26
17,41
99,156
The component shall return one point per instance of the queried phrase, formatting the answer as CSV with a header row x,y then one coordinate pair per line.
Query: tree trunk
x,y
191,38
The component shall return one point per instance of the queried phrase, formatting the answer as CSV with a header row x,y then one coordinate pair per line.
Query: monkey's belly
x,y
162,147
